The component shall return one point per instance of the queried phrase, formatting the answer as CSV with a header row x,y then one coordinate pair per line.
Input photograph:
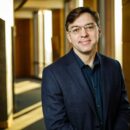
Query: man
x,y
84,90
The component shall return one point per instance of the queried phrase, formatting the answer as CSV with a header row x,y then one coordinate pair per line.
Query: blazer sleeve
x,y
123,119
54,111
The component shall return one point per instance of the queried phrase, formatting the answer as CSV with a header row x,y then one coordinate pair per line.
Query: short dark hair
x,y
75,13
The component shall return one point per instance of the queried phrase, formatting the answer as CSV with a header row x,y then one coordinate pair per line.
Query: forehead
x,y
83,19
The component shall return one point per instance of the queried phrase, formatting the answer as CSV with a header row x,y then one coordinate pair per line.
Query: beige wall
x,y
6,75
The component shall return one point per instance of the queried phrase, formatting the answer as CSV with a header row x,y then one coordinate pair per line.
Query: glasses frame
x,y
89,27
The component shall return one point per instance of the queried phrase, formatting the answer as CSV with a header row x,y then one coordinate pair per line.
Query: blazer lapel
x,y
105,88
79,81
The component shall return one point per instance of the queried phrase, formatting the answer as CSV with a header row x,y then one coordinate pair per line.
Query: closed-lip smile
x,y
85,41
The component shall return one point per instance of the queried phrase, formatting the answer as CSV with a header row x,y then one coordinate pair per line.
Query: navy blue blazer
x,y
68,103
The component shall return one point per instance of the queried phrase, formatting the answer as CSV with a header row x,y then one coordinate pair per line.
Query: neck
x,y
87,58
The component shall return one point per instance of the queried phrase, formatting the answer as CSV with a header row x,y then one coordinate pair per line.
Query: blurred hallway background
x,y
32,36
28,112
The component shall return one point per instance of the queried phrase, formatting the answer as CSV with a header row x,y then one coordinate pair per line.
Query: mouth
x,y
85,42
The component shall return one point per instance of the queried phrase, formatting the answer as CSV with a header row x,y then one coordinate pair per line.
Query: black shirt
x,y
92,77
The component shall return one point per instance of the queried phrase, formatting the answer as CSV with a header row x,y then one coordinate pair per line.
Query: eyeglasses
x,y
87,27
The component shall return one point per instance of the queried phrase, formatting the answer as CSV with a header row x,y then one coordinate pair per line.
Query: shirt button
x,y
98,106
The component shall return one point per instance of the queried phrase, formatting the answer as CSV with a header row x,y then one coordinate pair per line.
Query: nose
x,y
84,32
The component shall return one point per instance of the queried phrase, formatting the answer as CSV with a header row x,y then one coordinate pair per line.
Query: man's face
x,y
83,34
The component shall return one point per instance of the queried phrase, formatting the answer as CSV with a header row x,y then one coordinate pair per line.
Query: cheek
x,y
96,36
73,40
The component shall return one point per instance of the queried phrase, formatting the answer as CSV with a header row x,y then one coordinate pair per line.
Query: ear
x,y
68,37
99,30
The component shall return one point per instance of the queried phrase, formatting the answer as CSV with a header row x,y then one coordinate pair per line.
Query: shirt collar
x,y
81,63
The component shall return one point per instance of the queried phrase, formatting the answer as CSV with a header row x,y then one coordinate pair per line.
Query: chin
x,y
86,52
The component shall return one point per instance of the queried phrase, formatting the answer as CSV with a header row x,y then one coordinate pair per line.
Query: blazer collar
x,y
77,76
105,84
79,81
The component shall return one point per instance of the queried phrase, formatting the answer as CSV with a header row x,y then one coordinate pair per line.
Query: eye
x,y
75,30
89,27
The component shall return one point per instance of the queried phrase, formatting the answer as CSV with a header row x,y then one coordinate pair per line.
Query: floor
x,y
28,111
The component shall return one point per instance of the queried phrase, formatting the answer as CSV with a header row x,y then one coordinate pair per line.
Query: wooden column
x,y
126,43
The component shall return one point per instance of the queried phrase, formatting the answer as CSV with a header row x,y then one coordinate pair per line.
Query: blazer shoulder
x,y
60,63
108,61
106,58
